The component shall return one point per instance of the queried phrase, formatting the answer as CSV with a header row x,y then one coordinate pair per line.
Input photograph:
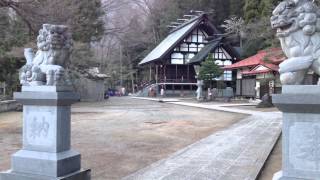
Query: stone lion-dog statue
x,y
47,66
298,27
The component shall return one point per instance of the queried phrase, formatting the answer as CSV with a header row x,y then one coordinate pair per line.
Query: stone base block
x,y
279,176
46,164
300,131
79,175
47,88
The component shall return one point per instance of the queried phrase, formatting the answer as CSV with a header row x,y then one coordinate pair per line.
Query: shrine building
x,y
174,63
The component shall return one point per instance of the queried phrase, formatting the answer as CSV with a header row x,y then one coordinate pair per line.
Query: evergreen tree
x,y
87,24
13,33
82,16
251,10
266,8
209,70
236,8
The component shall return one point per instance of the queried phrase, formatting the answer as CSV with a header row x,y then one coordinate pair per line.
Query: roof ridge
x,y
188,22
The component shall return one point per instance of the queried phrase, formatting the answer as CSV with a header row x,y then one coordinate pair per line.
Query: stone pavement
x,y
237,153
157,99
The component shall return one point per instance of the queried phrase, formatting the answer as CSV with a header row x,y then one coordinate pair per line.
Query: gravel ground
x,y
122,135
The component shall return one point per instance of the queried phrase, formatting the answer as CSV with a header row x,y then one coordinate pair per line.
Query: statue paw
x,y
292,78
50,78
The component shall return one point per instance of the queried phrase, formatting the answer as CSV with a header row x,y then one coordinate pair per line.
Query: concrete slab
x,y
238,152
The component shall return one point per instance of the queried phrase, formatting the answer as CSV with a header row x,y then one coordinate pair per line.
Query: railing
x,y
176,81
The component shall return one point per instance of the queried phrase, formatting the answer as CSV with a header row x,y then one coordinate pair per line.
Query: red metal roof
x,y
275,56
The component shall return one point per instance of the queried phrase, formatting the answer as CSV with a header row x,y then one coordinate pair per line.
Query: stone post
x,y
46,153
47,96
199,89
300,105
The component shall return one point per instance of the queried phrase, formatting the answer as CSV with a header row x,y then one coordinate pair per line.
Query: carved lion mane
x,y
47,66
298,27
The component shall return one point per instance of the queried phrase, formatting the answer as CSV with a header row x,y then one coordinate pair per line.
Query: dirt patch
x,y
273,163
122,135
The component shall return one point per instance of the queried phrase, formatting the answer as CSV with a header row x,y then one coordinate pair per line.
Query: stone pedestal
x,y
301,132
46,152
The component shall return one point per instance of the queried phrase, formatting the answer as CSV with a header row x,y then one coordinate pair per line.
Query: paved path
x,y
237,153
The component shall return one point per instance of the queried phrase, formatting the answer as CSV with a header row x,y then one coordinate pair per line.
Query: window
x,y
184,47
193,48
200,47
219,62
227,63
200,38
197,36
177,61
177,58
216,56
188,57
227,76
194,38
226,54
220,53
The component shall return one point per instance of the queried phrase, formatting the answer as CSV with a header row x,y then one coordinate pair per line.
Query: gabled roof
x,y
173,39
249,62
258,59
261,69
205,51
203,54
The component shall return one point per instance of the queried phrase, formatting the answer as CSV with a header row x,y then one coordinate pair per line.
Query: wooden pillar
x,y
4,89
162,72
150,73
156,74
165,73
173,88
176,72
188,74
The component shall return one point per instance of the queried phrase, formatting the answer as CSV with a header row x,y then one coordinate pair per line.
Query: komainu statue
x,y
298,27
47,66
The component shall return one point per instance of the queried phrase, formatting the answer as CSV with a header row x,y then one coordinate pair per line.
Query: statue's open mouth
x,y
284,27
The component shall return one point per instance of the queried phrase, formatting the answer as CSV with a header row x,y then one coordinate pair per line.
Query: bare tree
x,y
236,26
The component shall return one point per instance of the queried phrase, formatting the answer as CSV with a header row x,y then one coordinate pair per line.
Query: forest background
x,y
115,35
